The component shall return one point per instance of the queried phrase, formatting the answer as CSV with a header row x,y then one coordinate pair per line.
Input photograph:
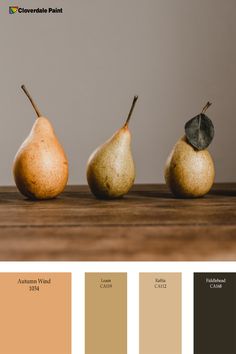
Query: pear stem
x,y
131,111
206,107
31,100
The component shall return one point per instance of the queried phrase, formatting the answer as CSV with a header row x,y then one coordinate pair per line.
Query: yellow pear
x,y
189,173
110,168
189,170
40,167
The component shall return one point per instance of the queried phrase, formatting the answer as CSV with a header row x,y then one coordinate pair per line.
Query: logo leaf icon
x,y
13,9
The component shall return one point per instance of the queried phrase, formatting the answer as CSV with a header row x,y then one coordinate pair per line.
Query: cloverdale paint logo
x,y
38,10
13,9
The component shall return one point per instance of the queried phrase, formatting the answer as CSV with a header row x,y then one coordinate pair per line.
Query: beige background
x,y
84,66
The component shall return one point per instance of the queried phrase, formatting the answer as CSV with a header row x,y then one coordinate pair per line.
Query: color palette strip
x,y
106,313
160,313
35,313
214,313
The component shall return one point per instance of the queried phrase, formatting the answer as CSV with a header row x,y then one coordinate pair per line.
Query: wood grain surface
x,y
147,225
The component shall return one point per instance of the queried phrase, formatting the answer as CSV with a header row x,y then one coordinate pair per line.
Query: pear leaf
x,y
200,130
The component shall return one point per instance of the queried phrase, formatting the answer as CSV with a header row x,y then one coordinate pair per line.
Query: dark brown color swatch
x,y
214,313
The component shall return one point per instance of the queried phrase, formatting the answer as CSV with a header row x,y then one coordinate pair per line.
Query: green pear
x,y
189,170
110,168
40,167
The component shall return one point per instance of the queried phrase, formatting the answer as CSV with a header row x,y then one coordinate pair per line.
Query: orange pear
x,y
40,167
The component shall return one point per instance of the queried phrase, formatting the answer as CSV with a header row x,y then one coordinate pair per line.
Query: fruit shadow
x,y
153,194
223,192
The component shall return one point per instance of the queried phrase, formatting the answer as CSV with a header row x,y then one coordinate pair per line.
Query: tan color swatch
x,y
106,313
160,313
35,313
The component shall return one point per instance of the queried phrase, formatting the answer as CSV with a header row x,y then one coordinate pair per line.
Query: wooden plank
x,y
119,243
148,224
151,207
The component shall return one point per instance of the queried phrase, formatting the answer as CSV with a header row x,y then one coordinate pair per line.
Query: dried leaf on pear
x,y
200,130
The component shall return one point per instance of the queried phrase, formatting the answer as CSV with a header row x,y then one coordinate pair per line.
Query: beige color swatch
x,y
35,313
106,313
160,313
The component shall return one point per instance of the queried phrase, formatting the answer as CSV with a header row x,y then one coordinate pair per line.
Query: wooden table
x,y
147,225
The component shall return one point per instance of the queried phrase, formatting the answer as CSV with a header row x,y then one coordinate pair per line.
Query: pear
x,y
40,166
110,168
189,170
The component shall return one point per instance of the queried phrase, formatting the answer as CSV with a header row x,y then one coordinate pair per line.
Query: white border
x,y
78,270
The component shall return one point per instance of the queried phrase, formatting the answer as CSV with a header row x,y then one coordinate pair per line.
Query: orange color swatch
x,y
35,313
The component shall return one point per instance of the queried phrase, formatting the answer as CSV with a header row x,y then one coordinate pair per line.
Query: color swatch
x,y
160,313
214,313
106,313
35,313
